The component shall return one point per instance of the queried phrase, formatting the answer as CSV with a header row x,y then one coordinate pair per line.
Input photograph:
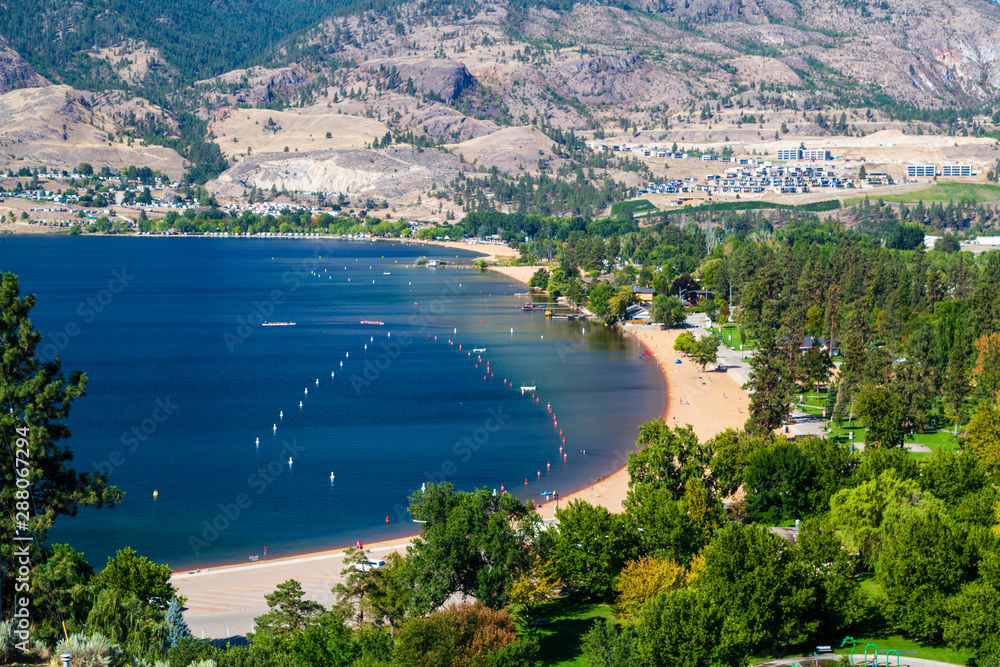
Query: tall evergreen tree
x,y
36,483
178,627
770,387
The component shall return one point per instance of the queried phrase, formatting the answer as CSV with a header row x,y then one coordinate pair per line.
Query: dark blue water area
x,y
183,381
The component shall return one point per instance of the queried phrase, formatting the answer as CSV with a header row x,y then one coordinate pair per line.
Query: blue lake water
x,y
183,381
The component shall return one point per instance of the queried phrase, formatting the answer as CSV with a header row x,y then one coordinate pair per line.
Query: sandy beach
x,y
222,601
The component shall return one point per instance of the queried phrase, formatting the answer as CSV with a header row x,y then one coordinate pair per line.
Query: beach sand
x,y
225,599
710,402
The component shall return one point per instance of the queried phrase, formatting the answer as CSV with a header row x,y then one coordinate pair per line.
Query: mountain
x,y
253,82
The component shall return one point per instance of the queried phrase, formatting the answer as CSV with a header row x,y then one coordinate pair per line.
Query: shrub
x,y
93,651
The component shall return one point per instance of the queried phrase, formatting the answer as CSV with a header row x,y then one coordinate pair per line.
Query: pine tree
x,y
178,626
35,398
771,387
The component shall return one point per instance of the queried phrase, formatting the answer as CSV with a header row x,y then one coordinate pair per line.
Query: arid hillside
x,y
490,87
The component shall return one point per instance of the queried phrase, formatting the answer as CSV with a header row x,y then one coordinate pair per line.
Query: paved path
x,y
905,660
731,361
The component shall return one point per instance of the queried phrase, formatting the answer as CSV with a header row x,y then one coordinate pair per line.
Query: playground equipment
x,y
874,658
887,652
854,645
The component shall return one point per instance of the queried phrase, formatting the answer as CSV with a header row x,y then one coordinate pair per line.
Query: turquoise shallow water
x,y
184,381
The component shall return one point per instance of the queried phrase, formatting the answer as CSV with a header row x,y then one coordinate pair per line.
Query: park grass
x,y
571,616
940,192
732,329
888,640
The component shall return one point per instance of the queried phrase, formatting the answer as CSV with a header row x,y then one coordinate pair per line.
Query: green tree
x,y
705,351
684,628
178,627
770,384
131,574
137,627
667,458
760,587
288,614
325,641
731,451
667,310
869,512
35,399
591,547
776,482
925,561
669,527
609,643
838,602
973,623
60,588
882,415
388,592
471,542
814,320
619,303
685,342
539,279
599,296
359,578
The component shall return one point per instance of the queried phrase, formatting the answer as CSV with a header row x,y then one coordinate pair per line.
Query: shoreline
x,y
609,490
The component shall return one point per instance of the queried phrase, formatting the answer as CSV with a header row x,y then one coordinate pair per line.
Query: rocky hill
x,y
480,85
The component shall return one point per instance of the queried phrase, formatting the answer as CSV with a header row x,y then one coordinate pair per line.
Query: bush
x,y
93,651
421,261
8,650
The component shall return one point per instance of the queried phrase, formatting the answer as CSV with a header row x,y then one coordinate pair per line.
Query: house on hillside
x,y
644,294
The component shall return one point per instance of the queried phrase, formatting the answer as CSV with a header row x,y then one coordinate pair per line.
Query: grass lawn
x,y
571,617
733,330
893,641
940,192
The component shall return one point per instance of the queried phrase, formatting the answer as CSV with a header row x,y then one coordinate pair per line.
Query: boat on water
x,y
528,306
374,322
277,324
479,349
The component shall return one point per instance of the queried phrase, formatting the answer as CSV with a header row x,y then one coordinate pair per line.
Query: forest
x,y
882,545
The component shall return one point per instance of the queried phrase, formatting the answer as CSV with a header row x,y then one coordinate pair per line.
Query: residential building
x,y
956,170
924,170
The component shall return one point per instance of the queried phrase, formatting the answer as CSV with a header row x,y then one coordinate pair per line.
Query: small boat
x,y
277,324
524,389
548,313
528,306
479,349
373,322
